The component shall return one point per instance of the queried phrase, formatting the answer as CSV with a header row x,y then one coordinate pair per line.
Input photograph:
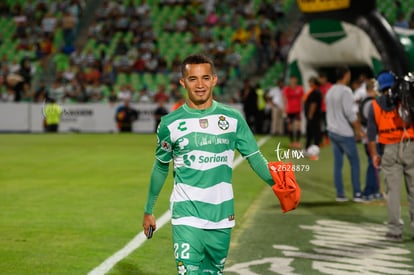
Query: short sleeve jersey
x,y
294,99
201,143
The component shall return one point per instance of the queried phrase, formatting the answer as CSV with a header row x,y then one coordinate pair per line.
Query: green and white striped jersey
x,y
202,143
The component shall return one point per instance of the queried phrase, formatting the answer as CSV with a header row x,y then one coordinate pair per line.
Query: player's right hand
x,y
147,221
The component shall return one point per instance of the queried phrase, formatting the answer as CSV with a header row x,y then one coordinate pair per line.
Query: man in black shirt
x,y
159,112
313,113
125,116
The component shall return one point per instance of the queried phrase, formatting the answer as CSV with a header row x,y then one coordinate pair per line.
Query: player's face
x,y
199,81
293,81
312,84
323,80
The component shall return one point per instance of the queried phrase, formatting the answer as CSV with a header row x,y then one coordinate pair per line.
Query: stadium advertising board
x,y
84,118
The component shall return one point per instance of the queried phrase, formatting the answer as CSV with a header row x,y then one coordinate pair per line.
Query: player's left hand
x,y
147,221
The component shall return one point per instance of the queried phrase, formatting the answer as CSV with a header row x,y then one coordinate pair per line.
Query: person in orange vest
x,y
397,149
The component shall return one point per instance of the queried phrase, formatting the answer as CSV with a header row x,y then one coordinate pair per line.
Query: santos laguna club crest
x,y
223,124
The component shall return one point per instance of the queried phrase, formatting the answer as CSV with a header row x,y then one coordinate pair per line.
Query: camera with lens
x,y
402,95
399,92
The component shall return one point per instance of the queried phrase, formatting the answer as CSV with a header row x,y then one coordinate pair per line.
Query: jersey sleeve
x,y
259,165
163,151
245,141
158,176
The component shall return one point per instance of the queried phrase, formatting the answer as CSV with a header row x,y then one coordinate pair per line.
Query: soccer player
x,y
200,138
292,100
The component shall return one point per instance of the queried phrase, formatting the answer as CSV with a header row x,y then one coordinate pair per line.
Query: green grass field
x,y
70,201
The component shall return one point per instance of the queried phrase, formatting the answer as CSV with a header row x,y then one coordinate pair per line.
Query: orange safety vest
x,y
390,125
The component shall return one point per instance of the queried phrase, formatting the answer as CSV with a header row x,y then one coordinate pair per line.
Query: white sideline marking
x,y
136,242
140,238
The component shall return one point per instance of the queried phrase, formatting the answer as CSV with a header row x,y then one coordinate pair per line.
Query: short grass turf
x,y
68,202
266,226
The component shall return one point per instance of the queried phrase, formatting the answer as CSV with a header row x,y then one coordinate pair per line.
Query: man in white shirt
x,y
275,94
361,92
125,93
343,129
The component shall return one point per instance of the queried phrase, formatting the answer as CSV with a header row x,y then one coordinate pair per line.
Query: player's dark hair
x,y
280,80
341,71
322,74
314,80
197,59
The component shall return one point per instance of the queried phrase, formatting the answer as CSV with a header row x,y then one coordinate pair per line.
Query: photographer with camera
x,y
396,136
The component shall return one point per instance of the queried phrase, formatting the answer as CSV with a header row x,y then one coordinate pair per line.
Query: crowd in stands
x,y
403,19
31,36
125,40
131,45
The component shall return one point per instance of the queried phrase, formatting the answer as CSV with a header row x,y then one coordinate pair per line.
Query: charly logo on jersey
x,y
182,127
203,123
223,124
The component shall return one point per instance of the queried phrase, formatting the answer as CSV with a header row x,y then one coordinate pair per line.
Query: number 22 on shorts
x,y
182,252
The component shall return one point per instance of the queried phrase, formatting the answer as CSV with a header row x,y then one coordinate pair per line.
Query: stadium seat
x,y
136,81
272,75
122,79
147,79
106,91
61,61
160,79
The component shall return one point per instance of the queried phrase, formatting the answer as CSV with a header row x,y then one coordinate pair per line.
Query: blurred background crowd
x,y
106,51
112,50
